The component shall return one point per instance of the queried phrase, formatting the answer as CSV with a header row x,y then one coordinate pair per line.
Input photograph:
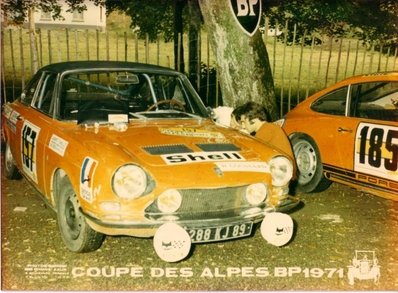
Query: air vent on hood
x,y
218,147
167,149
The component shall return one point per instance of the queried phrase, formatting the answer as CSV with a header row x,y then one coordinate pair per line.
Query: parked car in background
x,y
120,148
348,133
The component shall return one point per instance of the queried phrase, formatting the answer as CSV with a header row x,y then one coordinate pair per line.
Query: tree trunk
x,y
32,39
242,61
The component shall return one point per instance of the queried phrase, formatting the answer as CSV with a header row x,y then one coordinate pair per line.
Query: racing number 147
x,y
375,148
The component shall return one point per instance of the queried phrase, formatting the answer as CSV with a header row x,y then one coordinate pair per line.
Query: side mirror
x,y
211,112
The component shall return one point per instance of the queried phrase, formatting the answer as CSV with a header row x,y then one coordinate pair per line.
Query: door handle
x,y
342,129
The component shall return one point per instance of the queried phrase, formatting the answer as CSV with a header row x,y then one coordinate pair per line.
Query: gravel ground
x,y
330,227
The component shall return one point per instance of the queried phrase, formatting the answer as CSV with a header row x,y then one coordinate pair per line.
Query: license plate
x,y
211,234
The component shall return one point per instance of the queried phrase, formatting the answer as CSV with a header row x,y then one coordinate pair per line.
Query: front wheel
x,y
77,235
309,164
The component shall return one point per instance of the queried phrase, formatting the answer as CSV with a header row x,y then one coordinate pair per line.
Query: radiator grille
x,y
208,203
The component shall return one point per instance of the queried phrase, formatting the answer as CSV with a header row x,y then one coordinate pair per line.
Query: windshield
x,y
93,96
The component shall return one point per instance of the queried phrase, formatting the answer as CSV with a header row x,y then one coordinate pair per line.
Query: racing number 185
x,y
375,148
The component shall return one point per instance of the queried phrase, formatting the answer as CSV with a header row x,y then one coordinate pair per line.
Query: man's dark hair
x,y
237,112
253,110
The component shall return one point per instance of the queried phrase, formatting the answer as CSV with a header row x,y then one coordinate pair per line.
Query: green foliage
x,y
152,17
16,11
368,20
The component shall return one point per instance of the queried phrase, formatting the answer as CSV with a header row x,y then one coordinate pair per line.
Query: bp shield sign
x,y
247,13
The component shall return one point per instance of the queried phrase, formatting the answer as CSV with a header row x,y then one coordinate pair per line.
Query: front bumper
x,y
149,224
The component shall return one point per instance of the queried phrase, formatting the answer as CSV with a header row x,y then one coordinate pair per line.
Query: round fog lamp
x,y
171,242
277,228
256,193
169,201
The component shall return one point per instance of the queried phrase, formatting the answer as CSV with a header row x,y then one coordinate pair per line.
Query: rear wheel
x,y
11,170
309,164
77,235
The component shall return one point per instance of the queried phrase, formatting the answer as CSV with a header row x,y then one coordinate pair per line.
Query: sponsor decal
x,y
247,13
199,157
261,167
30,135
7,110
376,150
86,178
58,145
14,117
191,132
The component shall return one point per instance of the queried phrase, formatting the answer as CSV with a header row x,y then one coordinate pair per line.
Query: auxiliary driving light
x,y
281,170
277,228
169,201
256,193
171,242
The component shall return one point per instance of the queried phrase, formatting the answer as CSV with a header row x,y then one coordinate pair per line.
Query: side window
x,y
44,101
333,103
375,100
29,92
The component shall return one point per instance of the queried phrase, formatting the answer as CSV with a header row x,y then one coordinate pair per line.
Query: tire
x,y
11,170
309,164
77,235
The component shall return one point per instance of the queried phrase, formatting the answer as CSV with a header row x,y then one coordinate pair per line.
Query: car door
x,y
332,130
374,114
33,128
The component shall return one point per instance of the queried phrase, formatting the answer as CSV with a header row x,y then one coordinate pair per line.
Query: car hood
x,y
180,153
168,143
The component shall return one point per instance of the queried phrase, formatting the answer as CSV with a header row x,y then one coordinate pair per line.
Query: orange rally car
x,y
348,133
120,148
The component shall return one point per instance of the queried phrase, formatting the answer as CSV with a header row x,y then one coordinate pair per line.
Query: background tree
x,y
19,11
155,18
369,20
242,61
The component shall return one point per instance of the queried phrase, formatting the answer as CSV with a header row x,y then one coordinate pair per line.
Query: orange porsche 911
x,y
120,148
348,133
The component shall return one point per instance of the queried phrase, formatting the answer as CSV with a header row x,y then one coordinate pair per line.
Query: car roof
x,y
371,76
103,65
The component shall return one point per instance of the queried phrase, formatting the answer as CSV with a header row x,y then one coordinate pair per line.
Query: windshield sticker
x,y
86,178
260,167
191,132
58,145
118,118
376,150
30,135
200,157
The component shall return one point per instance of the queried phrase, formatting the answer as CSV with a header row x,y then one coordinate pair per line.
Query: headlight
x,y
129,182
256,193
169,201
281,170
